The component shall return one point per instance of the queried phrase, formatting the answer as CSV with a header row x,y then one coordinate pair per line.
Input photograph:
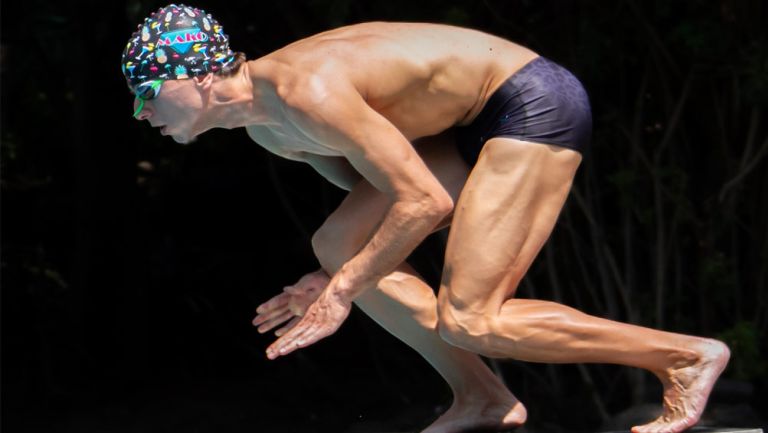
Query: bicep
x,y
391,164
373,146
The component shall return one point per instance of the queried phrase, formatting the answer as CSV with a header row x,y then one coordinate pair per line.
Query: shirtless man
x,y
426,125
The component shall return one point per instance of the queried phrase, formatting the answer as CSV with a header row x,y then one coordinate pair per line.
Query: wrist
x,y
344,287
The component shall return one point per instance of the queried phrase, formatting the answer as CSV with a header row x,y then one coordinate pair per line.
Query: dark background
x,y
131,266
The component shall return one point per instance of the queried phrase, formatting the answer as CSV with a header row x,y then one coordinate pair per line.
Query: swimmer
x,y
426,126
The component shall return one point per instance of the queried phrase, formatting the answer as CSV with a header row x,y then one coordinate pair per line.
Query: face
x,y
176,109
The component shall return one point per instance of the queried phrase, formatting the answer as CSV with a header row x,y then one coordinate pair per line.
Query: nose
x,y
140,109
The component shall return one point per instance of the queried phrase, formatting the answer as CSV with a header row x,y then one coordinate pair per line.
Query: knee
x,y
465,329
325,247
452,331
469,333
332,245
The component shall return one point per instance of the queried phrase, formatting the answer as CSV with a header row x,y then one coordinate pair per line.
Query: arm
x,y
378,151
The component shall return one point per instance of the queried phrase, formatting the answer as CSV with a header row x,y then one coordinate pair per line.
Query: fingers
x,y
266,317
287,327
275,321
322,318
307,331
289,342
278,301
272,311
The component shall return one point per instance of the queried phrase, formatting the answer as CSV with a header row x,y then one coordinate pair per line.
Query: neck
x,y
232,102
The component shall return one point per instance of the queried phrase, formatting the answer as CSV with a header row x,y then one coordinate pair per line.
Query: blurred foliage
x,y
128,260
744,341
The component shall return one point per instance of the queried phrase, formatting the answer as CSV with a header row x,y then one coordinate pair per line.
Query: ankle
x,y
693,352
685,357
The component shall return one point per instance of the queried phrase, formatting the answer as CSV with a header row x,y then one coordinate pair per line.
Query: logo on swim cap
x,y
174,43
181,40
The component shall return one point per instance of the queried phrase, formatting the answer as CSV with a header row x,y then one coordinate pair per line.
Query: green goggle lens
x,y
146,91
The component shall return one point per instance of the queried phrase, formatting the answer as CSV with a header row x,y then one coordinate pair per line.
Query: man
x,y
426,125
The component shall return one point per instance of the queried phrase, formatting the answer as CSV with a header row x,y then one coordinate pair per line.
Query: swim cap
x,y
175,43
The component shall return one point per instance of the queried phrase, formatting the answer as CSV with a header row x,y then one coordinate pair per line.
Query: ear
x,y
203,81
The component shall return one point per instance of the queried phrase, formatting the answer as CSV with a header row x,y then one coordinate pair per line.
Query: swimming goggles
x,y
146,91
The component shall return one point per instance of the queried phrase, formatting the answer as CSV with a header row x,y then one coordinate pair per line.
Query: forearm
x,y
403,228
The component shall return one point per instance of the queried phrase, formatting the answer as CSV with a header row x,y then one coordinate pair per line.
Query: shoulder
x,y
320,97
297,81
318,101
307,90
302,87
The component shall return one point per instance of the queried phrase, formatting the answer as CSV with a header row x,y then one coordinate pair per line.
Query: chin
x,y
183,139
180,139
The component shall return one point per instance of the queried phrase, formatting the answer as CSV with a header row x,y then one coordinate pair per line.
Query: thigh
x,y
505,213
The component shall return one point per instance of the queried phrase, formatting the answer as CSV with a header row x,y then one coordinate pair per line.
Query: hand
x,y
322,319
291,304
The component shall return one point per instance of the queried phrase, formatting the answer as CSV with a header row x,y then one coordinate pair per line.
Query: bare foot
x,y
481,414
686,389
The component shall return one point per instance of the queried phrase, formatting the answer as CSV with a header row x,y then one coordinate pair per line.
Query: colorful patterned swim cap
x,y
175,43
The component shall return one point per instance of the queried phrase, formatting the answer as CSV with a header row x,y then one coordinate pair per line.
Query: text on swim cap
x,y
181,40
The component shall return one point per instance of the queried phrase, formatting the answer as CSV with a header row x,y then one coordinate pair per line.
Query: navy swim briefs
x,y
542,102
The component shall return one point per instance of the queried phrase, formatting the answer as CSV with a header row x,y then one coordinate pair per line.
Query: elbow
x,y
437,206
431,206
442,205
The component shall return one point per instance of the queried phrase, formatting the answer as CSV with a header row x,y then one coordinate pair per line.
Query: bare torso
x,y
423,78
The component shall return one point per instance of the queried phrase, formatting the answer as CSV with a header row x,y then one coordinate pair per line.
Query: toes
x,y
643,428
661,426
654,426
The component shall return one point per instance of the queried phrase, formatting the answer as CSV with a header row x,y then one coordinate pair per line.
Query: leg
x,y
507,211
406,306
